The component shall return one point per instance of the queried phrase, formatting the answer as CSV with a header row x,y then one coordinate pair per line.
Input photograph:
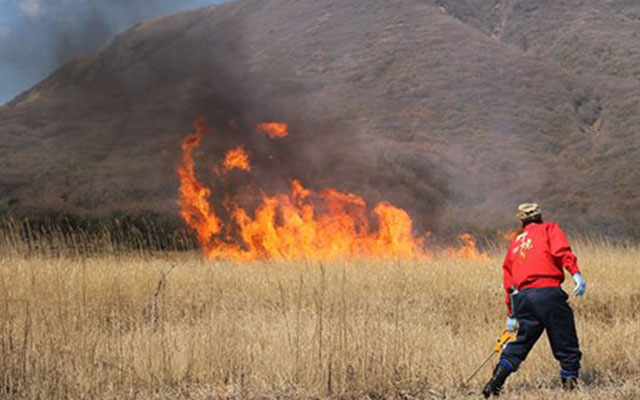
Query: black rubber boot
x,y
570,384
494,386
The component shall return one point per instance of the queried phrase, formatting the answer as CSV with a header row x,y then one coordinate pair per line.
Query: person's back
x,y
537,256
533,274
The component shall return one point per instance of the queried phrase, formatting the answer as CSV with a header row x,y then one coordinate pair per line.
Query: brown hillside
x,y
584,36
401,100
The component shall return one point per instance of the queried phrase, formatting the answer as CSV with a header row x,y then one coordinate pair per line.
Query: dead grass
x,y
104,327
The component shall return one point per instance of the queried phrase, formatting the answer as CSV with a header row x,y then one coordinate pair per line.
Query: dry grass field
x,y
127,325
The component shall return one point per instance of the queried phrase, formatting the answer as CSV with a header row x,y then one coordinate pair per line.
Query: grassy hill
x,y
453,109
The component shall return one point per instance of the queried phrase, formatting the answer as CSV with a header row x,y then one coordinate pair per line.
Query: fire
x,y
194,205
297,224
468,250
509,235
237,158
274,130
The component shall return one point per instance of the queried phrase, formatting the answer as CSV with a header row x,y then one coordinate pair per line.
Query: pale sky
x,y
38,36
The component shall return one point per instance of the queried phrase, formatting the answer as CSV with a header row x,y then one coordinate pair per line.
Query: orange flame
x,y
194,205
274,130
299,224
468,250
509,235
237,158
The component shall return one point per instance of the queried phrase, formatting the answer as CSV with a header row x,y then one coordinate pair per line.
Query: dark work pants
x,y
538,309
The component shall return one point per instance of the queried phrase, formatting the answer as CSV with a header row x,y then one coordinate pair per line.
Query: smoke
x,y
42,36
31,8
222,65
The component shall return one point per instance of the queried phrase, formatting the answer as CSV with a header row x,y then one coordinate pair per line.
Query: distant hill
x,y
453,109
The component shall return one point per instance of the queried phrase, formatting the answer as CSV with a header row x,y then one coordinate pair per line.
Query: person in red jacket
x,y
533,274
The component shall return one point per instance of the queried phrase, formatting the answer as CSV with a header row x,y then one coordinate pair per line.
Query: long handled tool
x,y
502,342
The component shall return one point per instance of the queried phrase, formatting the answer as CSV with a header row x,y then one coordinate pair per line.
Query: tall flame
x,y
194,196
274,130
297,224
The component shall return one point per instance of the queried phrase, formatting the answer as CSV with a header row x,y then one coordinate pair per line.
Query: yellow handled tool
x,y
505,338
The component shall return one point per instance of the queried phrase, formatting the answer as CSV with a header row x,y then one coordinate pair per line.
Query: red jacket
x,y
536,258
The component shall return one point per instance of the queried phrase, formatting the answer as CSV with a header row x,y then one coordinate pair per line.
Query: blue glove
x,y
512,324
581,285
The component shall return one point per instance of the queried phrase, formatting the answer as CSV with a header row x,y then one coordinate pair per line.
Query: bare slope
x,y
396,100
585,36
